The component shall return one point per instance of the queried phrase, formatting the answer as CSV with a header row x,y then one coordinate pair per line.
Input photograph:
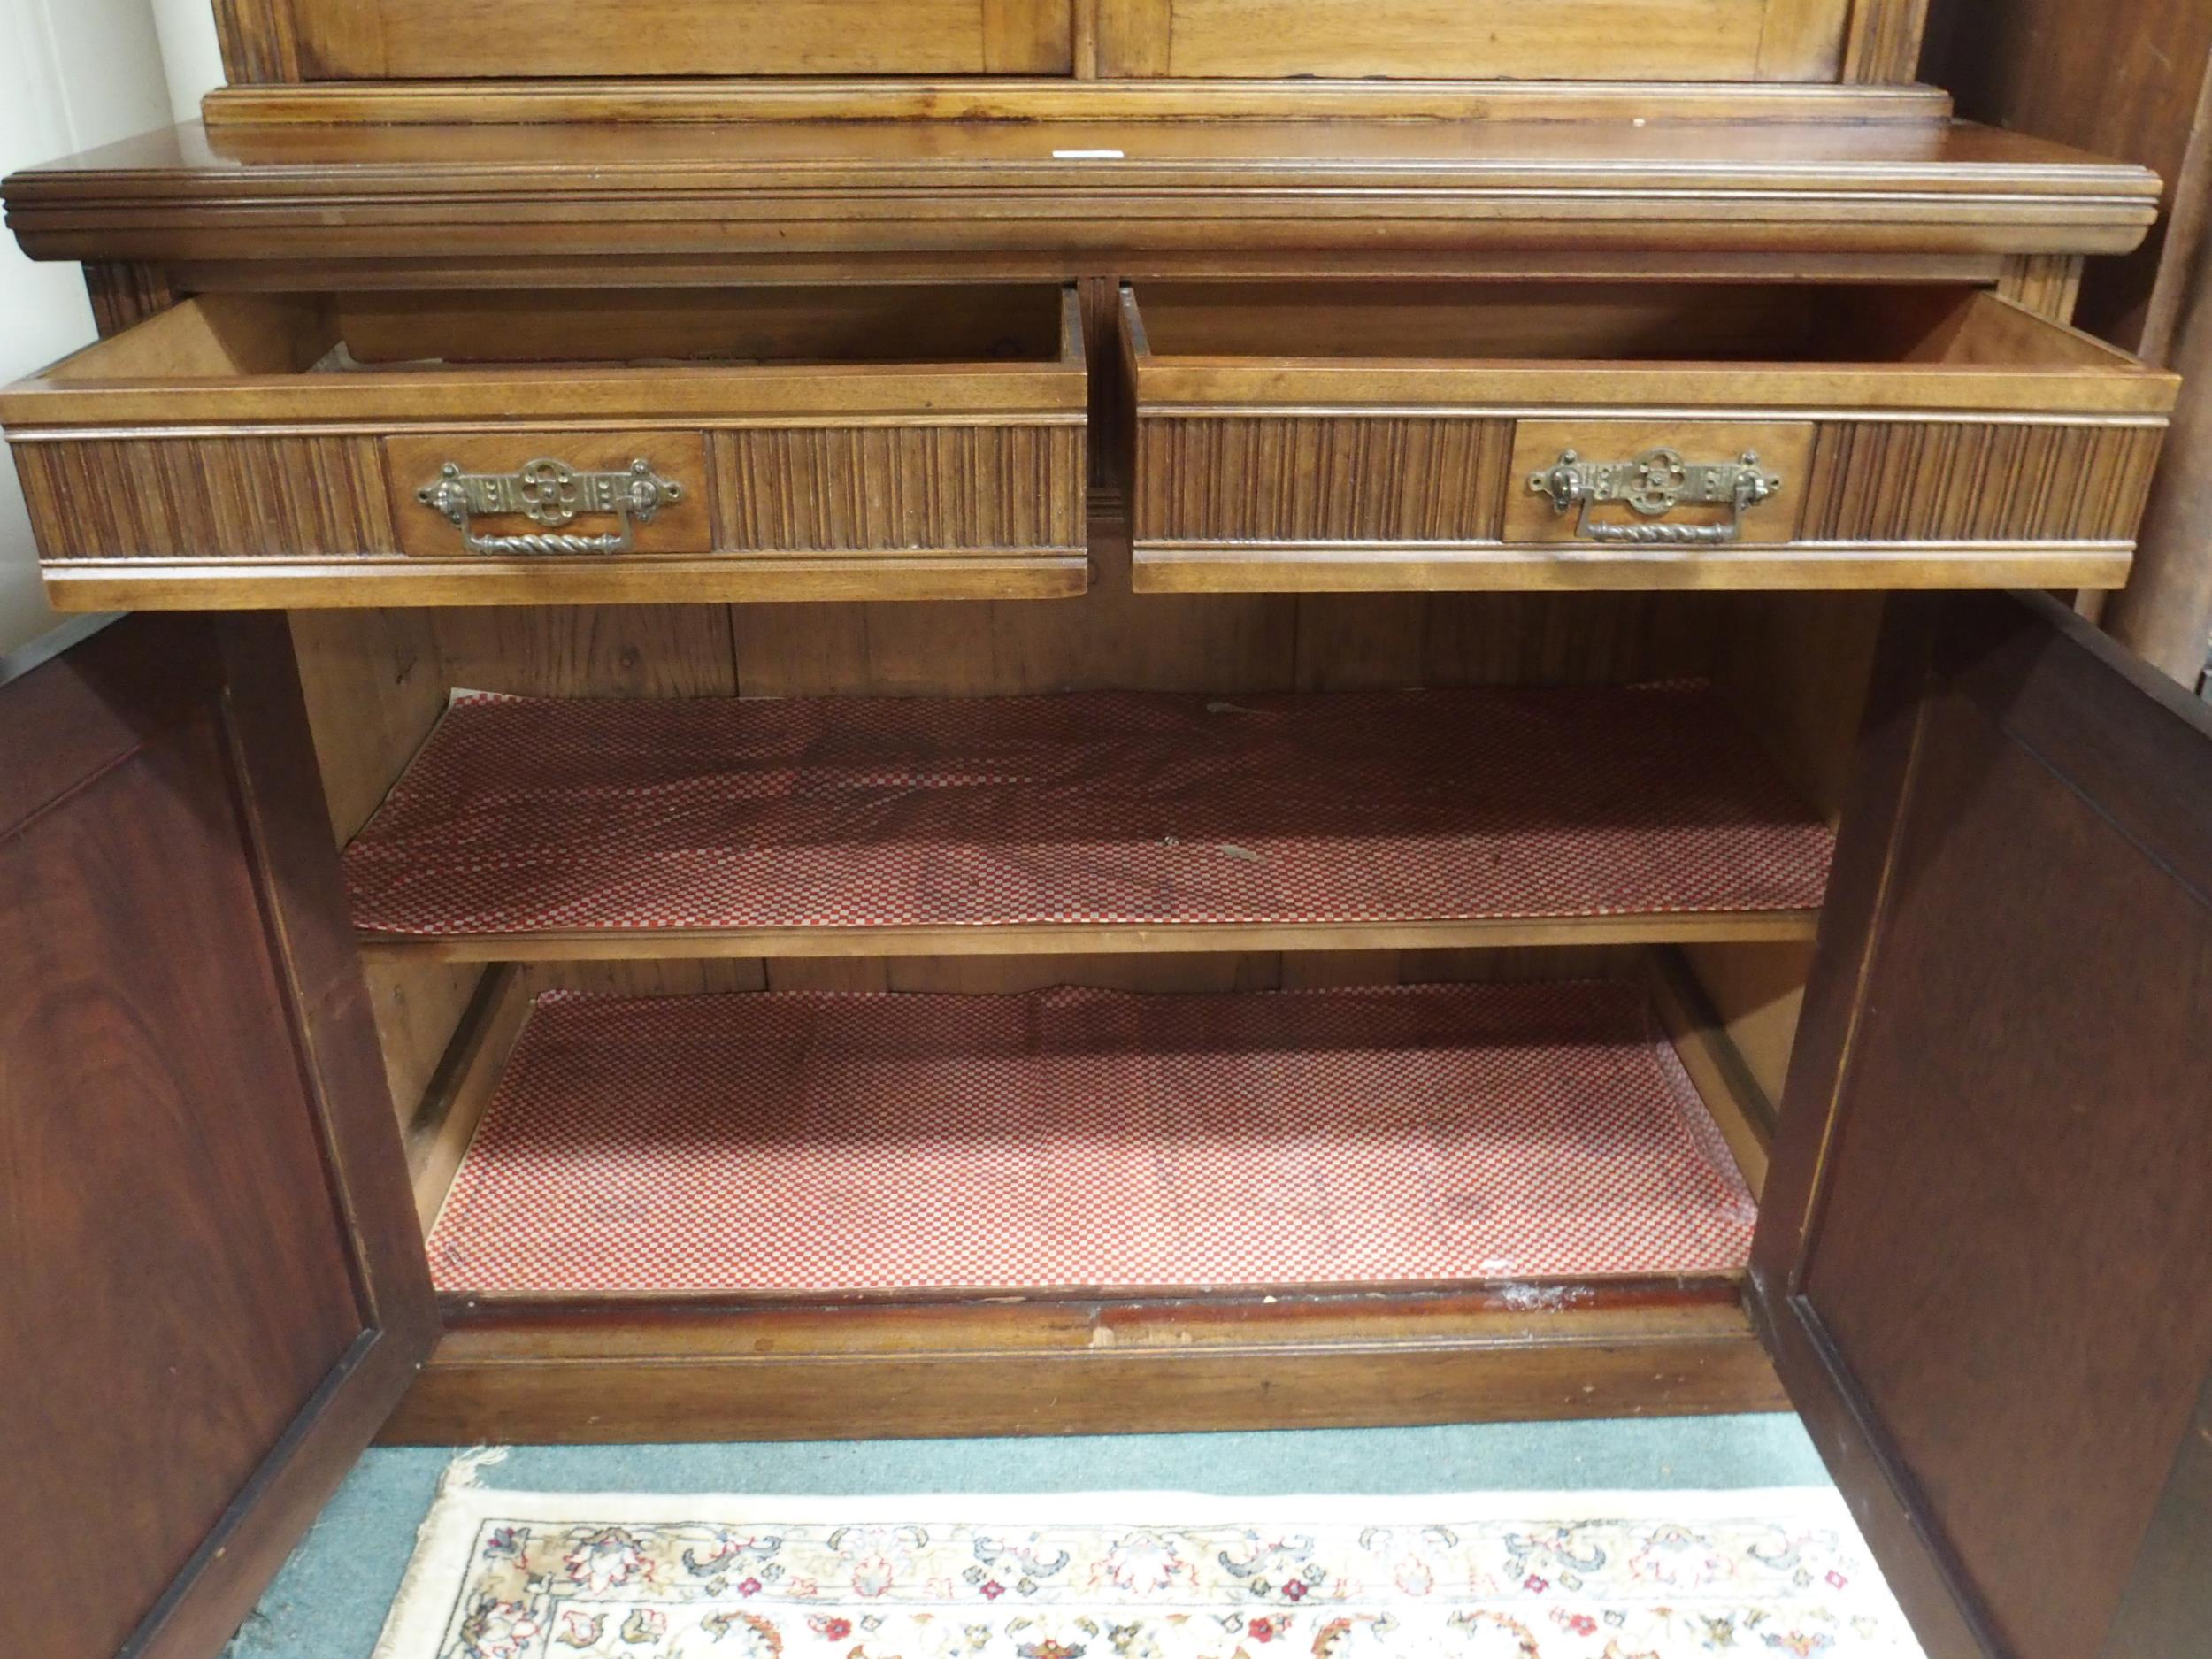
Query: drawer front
x,y
1257,472
776,513
405,485
1371,488
884,489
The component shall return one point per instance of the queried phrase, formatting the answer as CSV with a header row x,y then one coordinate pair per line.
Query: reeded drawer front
x,y
239,452
1306,437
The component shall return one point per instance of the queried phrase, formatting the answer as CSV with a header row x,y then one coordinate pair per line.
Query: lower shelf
x,y
802,1215
1086,1142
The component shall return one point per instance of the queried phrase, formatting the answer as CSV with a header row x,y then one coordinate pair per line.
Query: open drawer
x,y
580,446
1338,437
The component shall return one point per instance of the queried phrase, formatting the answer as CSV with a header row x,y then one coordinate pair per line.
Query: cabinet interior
x,y
1718,1011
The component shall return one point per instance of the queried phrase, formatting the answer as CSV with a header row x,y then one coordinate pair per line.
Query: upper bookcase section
x,y
1143,50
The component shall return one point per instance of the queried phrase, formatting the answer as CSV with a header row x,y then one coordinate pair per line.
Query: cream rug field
x,y
1636,1575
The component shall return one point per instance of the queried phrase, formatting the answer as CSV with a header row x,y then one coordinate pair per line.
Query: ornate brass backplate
x,y
1656,482
550,494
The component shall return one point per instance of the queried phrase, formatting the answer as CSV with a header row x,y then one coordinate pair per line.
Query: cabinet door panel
x,y
207,1300
498,39
1521,40
1983,1255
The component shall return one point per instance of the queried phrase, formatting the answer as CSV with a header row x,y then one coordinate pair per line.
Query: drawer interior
x,y
234,336
1651,322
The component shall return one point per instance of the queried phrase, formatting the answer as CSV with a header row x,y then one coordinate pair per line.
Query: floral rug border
x,y
1753,1574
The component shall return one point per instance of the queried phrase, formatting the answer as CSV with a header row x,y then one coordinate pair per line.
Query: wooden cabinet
x,y
1977,1254
925,703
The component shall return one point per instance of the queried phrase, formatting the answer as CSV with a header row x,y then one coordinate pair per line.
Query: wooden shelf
x,y
1080,1141
545,829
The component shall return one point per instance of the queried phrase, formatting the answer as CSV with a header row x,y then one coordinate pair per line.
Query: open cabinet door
x,y
1984,1258
212,1287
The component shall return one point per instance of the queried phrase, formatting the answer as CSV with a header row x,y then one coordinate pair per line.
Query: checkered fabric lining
x,y
524,815
1088,1140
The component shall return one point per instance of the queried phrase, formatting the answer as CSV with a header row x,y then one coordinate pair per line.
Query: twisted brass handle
x,y
549,545
550,494
1656,482
1708,534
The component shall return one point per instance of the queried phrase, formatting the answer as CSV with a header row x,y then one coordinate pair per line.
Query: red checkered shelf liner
x,y
1076,1140
528,815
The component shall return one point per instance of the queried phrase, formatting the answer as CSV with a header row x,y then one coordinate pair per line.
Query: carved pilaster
x,y
260,40
2047,284
124,294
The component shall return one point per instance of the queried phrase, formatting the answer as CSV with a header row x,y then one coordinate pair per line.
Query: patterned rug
x,y
1644,1575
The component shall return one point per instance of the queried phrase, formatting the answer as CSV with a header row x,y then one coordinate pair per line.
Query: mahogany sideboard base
x,y
1088,1368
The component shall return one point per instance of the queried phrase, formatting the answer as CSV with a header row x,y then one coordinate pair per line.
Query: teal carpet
x,y
330,1599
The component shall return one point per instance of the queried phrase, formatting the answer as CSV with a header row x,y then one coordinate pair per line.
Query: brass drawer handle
x,y
1656,482
550,494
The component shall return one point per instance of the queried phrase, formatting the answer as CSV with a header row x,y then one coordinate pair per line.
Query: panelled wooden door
x,y
1984,1254
1512,40
212,1289
427,40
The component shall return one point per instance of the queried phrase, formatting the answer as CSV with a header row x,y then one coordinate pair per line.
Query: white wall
x,y
76,74
189,55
